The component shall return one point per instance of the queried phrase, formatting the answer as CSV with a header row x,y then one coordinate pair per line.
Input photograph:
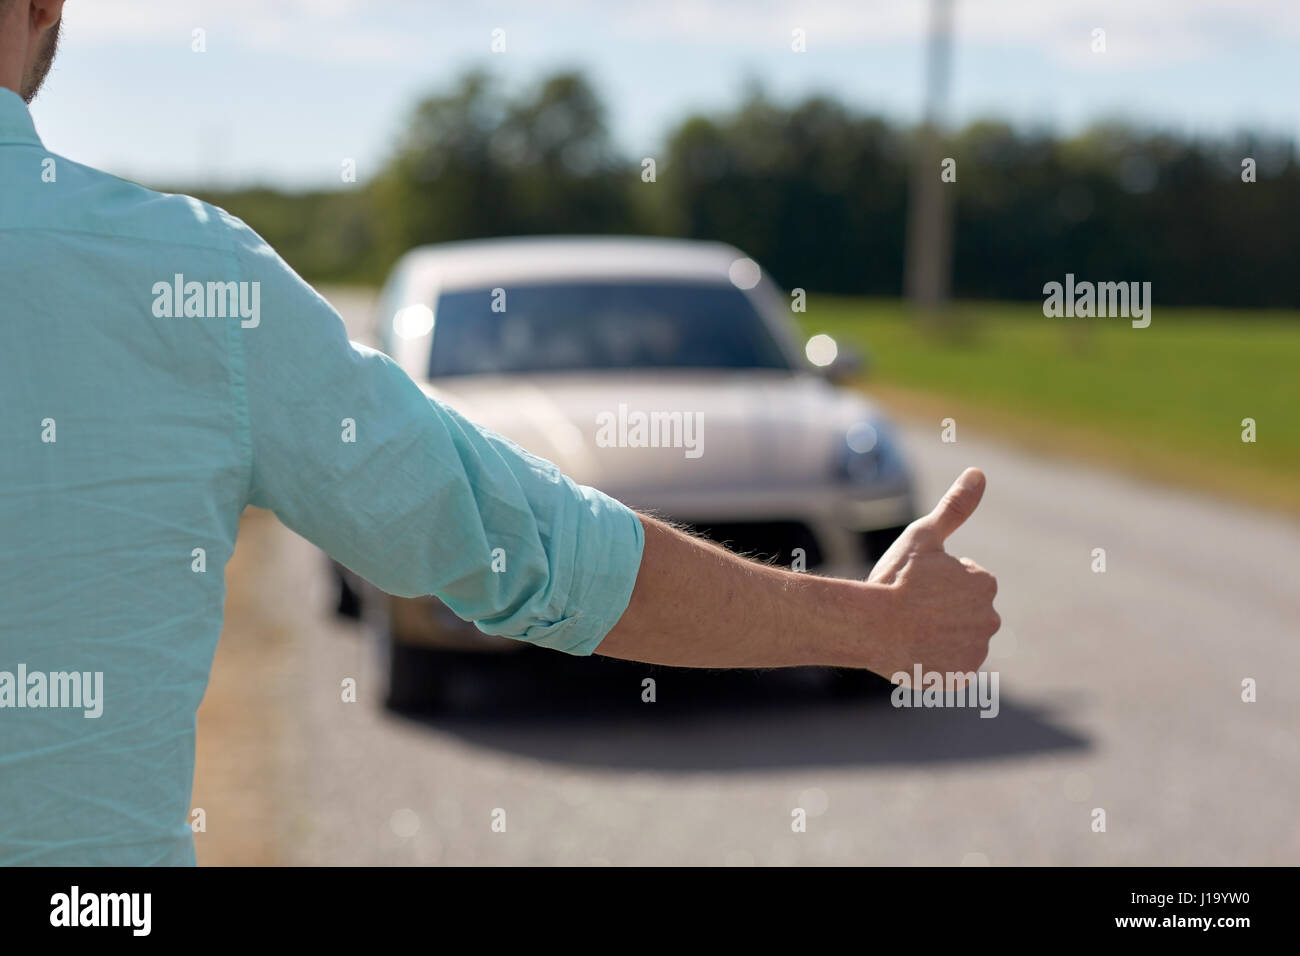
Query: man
x,y
138,421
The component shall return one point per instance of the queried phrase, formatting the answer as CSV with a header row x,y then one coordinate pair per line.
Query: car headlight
x,y
869,453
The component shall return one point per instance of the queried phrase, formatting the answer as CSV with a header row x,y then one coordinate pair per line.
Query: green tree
x,y
476,163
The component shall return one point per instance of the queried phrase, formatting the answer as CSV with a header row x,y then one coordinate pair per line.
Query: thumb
x,y
954,508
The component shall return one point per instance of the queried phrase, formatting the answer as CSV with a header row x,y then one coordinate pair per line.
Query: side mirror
x,y
837,364
850,364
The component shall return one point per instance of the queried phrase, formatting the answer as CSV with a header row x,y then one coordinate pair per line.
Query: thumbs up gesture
x,y
943,613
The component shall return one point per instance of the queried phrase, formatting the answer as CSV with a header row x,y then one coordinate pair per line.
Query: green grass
x,y
1166,401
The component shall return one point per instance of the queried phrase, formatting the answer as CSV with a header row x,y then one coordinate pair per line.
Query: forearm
x,y
698,605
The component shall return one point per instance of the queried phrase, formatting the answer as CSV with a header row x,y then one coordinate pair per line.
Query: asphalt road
x,y
1119,691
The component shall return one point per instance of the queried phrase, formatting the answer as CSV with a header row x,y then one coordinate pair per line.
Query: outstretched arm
x,y
697,605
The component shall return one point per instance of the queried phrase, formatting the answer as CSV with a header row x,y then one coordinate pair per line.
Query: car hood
x,y
751,429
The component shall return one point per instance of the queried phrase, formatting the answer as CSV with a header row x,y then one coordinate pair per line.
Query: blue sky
x,y
288,88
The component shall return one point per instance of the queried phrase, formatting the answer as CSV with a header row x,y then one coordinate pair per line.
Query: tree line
x,y
815,191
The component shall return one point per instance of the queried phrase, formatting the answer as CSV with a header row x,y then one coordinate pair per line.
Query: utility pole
x,y
929,227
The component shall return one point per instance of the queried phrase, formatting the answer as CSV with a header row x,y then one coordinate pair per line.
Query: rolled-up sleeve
x,y
350,453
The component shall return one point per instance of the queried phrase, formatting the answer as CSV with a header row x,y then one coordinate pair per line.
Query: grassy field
x,y
1165,402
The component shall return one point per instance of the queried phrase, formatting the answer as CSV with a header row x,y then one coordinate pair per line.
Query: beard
x,y
36,75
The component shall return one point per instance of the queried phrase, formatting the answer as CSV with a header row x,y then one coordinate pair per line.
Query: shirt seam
x,y
105,233
239,391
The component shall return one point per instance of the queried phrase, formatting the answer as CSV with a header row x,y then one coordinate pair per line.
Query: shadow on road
x,y
590,712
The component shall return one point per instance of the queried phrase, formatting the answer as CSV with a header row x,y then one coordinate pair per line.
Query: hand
x,y
943,613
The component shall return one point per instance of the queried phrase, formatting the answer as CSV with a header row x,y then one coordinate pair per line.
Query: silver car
x,y
668,374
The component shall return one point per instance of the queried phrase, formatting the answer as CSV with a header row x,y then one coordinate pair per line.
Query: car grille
x,y
772,541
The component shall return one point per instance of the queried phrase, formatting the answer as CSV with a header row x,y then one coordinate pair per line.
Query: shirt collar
x,y
15,121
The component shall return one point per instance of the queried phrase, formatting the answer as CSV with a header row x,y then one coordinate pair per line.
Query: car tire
x,y
415,678
348,604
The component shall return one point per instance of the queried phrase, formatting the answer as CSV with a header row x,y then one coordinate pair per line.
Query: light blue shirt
x,y
143,404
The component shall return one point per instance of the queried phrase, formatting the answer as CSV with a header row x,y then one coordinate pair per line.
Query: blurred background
x,y
1118,141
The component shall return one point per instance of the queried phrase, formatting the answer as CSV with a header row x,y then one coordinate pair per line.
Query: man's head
x,y
29,37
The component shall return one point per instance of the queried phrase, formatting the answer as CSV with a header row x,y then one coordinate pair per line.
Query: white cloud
x,y
334,30
1137,31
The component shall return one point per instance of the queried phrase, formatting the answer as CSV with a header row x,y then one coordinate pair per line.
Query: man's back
x,y
161,369
121,483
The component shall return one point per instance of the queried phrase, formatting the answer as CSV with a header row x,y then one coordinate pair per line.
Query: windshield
x,y
600,325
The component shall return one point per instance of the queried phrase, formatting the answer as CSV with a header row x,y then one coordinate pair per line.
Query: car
x,y
667,373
